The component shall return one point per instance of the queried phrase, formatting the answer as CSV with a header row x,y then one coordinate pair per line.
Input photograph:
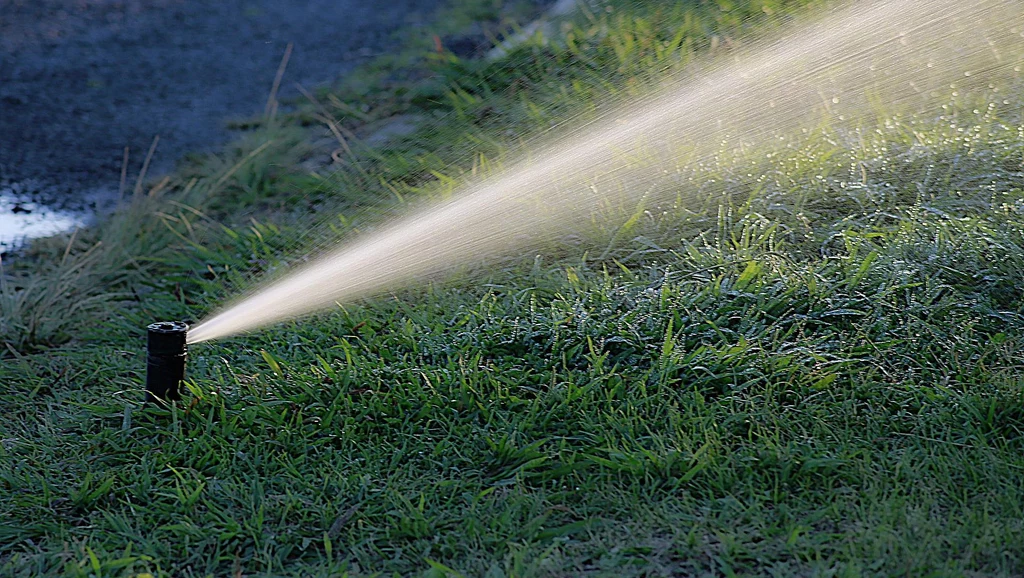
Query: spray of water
x,y
893,52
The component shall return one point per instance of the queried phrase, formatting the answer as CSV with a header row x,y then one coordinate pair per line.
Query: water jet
x,y
835,72
165,361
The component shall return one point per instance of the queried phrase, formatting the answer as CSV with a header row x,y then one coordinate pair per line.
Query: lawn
x,y
816,370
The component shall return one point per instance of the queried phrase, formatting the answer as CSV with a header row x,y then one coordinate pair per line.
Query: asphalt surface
x,y
82,79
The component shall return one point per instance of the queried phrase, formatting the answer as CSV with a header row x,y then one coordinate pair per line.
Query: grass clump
x,y
817,372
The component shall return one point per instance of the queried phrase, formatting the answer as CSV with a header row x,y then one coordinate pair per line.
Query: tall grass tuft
x,y
54,284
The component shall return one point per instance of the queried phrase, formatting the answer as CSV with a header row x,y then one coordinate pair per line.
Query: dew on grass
x,y
890,51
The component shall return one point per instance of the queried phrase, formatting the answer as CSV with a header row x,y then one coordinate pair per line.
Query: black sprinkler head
x,y
165,362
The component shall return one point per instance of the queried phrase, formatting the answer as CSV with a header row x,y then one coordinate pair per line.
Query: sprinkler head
x,y
165,362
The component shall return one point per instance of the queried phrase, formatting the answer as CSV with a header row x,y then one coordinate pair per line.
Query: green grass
x,y
817,372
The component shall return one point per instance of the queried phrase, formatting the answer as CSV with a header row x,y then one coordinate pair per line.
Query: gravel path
x,y
82,79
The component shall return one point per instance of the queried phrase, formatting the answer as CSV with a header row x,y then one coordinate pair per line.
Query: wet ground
x,y
80,80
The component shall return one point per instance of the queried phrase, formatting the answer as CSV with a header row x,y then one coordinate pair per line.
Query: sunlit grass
x,y
816,371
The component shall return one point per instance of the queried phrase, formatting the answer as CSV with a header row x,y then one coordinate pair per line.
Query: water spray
x,y
165,361
903,53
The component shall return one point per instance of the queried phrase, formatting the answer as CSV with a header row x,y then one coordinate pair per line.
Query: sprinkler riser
x,y
166,353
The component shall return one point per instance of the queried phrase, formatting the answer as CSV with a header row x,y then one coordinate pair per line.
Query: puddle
x,y
29,211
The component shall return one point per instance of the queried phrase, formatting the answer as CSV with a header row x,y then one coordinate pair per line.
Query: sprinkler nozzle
x,y
165,362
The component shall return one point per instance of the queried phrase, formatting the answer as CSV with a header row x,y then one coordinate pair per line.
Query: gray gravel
x,y
82,79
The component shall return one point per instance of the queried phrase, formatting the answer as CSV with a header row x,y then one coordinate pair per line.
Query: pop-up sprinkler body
x,y
165,362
